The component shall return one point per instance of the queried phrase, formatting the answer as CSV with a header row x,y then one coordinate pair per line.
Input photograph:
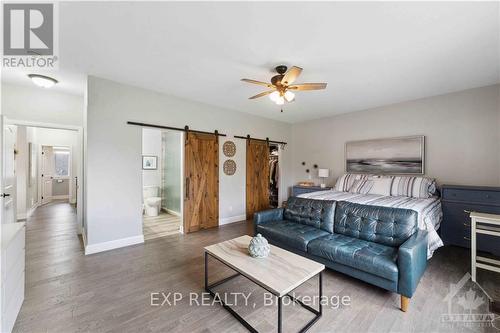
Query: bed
x,y
429,210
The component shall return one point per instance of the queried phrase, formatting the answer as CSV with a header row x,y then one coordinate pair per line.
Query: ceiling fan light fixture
x,y
42,80
283,86
289,96
274,96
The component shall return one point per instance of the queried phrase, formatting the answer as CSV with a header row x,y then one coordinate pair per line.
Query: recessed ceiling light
x,y
42,80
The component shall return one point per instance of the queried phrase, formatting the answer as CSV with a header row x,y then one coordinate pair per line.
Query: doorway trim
x,y
79,191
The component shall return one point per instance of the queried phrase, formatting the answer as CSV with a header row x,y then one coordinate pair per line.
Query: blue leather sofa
x,y
379,245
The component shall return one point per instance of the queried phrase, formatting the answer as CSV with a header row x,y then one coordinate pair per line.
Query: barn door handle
x,y
187,188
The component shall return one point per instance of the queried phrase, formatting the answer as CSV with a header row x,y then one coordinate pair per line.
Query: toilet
x,y
152,202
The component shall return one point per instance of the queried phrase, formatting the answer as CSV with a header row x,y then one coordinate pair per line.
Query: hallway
x,y
67,291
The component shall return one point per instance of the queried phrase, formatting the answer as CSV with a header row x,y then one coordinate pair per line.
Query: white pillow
x,y
381,185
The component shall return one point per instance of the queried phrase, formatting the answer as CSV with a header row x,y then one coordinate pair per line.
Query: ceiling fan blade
x,y
262,94
258,82
308,86
290,76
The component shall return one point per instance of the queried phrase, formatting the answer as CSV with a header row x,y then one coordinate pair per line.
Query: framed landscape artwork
x,y
404,155
149,162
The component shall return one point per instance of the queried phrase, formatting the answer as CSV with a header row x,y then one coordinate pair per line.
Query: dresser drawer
x,y
455,229
472,196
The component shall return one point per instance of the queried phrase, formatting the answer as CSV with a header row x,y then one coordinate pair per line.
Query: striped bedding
x,y
429,210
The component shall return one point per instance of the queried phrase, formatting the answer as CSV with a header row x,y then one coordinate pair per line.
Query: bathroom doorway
x,y
162,179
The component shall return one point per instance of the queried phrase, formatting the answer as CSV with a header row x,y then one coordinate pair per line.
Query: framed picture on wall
x,y
149,162
404,155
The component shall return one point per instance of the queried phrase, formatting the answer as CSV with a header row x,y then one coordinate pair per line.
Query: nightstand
x,y
296,190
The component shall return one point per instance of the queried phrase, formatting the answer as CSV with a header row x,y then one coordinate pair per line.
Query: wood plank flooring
x,y
111,291
160,226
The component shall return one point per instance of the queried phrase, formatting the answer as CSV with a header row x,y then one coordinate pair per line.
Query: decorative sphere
x,y
259,247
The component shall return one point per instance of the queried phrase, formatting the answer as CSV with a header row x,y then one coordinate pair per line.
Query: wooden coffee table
x,y
279,273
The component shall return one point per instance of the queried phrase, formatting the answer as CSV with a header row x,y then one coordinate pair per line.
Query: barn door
x,y
201,197
257,192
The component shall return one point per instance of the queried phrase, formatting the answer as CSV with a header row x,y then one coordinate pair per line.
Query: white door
x,y
8,188
47,173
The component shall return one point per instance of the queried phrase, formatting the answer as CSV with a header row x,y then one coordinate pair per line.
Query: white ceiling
x,y
371,54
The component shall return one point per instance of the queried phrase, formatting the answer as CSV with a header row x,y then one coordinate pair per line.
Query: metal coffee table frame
x,y
317,313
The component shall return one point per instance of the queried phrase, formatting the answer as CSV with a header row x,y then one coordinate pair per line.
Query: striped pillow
x,y
345,182
361,186
381,185
413,186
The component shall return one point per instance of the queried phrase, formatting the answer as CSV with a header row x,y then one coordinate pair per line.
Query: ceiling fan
x,y
282,86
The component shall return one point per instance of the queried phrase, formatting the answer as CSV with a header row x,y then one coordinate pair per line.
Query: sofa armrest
x,y
412,262
267,216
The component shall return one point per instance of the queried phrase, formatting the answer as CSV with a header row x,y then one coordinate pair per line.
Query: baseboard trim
x,y
172,212
32,210
84,238
59,197
114,244
232,219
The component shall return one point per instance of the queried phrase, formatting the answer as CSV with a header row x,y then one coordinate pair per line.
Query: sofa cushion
x,y
385,225
367,256
292,234
314,213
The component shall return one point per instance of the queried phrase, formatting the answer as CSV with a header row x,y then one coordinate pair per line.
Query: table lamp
x,y
323,173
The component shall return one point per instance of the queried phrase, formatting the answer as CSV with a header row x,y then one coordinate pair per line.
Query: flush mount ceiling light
x,y
281,85
42,80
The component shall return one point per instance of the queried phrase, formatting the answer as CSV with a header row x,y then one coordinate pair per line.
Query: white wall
x,y
22,172
461,129
498,107
174,154
233,188
41,105
113,182
27,194
32,192
151,145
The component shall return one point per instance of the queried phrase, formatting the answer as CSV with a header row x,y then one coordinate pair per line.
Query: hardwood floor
x,y
111,291
160,226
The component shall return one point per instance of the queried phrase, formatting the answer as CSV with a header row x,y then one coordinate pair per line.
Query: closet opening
x,y
162,178
273,176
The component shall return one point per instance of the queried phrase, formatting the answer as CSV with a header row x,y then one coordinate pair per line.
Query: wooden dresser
x,y
12,283
296,190
458,202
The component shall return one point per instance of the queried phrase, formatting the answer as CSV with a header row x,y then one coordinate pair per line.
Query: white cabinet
x,y
13,269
